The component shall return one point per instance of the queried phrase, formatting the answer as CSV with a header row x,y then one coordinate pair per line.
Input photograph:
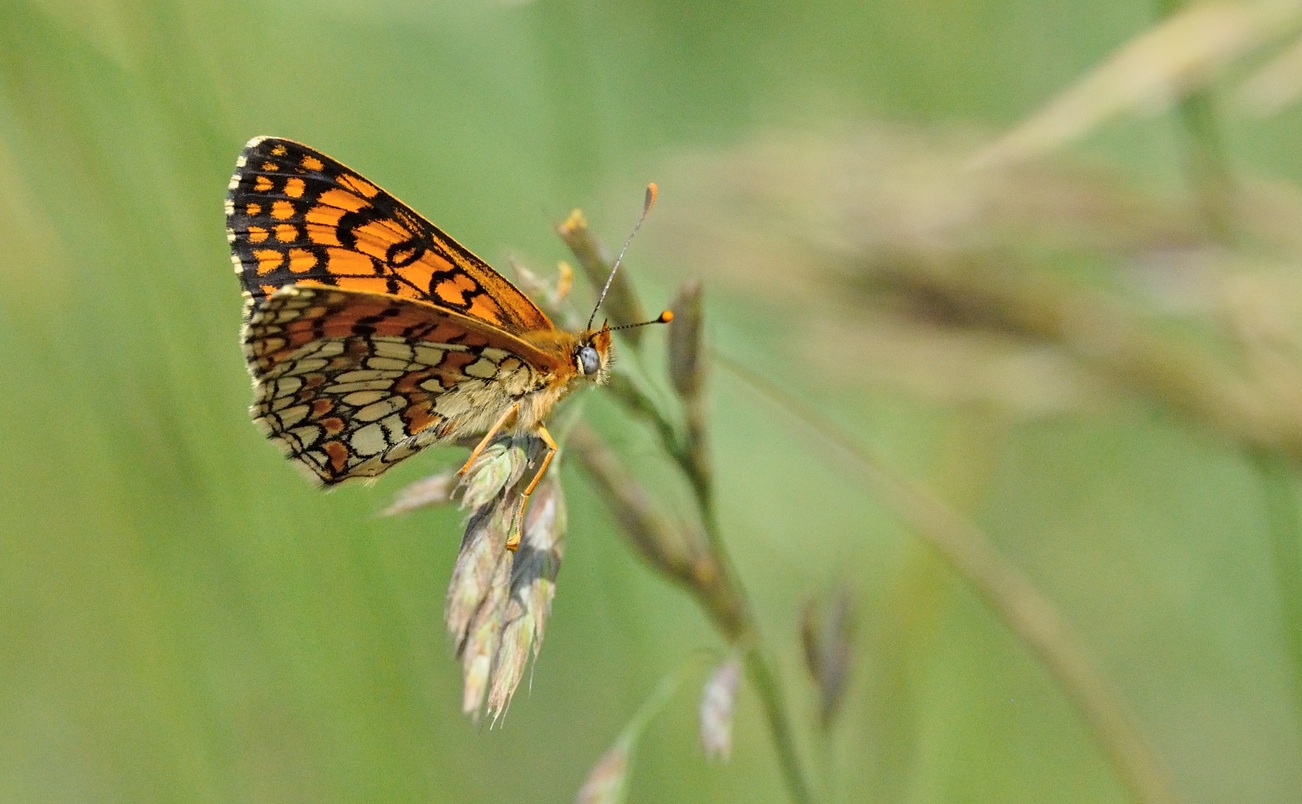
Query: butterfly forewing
x,y
295,215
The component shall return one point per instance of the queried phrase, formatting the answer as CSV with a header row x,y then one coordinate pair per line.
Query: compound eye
x,y
589,360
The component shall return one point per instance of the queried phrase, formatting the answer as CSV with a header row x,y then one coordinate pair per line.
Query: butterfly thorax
x,y
577,358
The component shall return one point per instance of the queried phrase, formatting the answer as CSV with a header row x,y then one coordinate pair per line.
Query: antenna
x,y
664,318
651,192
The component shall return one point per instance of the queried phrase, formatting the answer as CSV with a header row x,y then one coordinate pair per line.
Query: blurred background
x,y
1039,258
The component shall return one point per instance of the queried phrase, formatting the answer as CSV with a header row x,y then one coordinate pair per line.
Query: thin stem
x,y
1285,523
1213,182
1210,176
765,682
759,666
653,705
1206,165
674,552
1205,159
970,553
692,461
706,573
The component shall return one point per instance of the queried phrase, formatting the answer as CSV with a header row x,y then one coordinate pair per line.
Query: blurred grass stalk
x,y
607,782
1256,404
1211,177
983,255
1178,60
1009,594
1191,307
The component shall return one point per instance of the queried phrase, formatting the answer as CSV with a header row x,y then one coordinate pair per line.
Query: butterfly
x,y
370,334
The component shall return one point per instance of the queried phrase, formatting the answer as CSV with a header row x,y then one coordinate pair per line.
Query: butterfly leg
x,y
483,442
513,541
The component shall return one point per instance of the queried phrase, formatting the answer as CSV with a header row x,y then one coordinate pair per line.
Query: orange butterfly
x,y
371,334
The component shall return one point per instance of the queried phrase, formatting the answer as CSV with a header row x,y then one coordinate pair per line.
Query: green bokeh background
x,y
183,619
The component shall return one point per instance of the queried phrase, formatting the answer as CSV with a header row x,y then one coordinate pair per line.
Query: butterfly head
x,y
592,355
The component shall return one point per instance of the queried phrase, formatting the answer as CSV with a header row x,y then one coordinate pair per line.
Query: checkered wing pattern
x,y
295,216
350,383
368,331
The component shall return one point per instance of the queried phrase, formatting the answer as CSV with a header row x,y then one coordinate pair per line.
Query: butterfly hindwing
x,y
351,382
295,215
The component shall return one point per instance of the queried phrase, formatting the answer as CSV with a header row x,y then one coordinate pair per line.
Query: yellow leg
x,y
483,442
513,541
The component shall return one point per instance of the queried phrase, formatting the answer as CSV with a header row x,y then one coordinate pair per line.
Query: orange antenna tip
x,y
651,192
663,318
